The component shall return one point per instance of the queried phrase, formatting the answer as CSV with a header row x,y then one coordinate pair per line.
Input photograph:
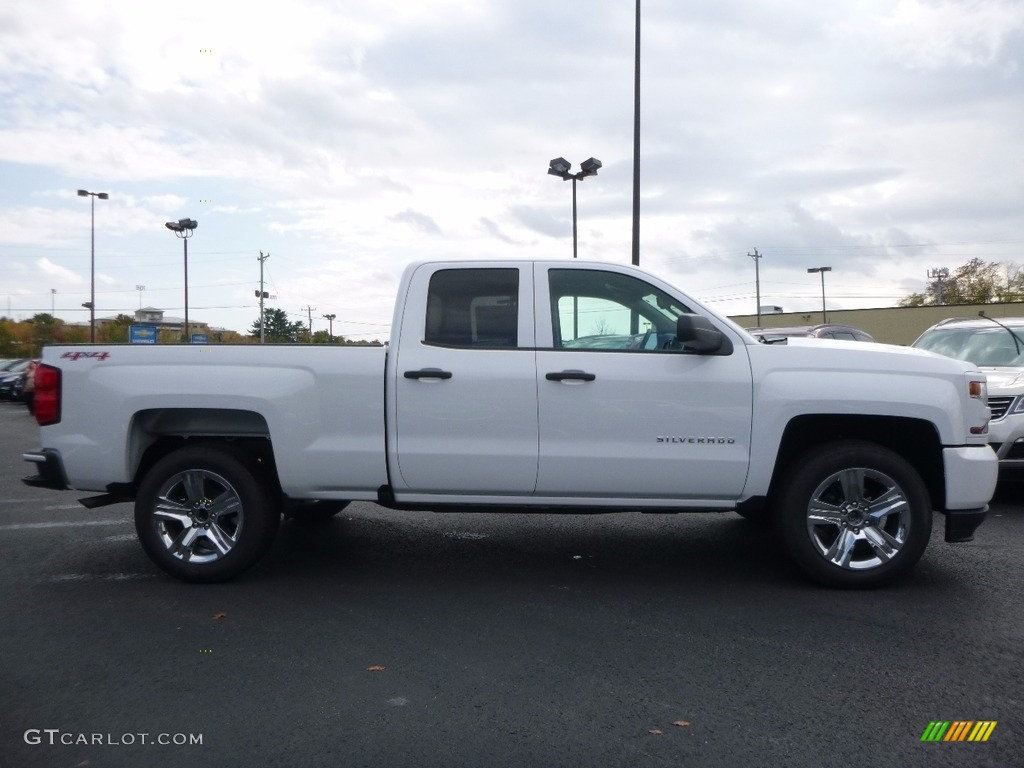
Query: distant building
x,y
155,317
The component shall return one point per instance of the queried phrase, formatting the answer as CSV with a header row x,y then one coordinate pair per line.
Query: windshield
x,y
993,347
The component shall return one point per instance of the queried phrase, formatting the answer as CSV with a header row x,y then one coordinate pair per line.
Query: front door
x,y
623,412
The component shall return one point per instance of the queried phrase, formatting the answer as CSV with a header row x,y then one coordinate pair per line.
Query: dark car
x,y
24,389
9,378
824,331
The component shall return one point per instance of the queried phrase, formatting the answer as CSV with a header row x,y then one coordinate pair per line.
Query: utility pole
x,y
757,281
262,294
939,274
310,311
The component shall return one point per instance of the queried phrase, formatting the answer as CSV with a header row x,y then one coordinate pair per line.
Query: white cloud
x,y
63,274
336,135
932,34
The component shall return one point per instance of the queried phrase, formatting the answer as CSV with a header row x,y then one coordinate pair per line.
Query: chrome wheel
x,y
203,515
858,518
198,516
853,514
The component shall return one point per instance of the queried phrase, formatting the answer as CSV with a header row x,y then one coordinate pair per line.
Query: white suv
x,y
997,347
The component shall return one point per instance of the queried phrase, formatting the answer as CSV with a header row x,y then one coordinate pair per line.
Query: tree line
x,y
26,338
278,329
976,282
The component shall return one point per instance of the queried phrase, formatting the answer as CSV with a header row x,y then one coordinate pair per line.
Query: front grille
x,y
998,406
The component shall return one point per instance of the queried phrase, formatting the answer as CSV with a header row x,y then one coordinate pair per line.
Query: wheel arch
x,y
916,440
155,433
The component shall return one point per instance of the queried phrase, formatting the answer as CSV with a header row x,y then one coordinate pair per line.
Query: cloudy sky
x,y
882,138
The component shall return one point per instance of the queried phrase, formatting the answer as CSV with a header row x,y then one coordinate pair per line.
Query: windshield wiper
x,y
1016,339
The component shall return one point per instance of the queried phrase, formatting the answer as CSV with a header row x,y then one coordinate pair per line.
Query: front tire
x,y
203,516
854,515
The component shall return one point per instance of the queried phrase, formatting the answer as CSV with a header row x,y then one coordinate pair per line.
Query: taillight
x,y
47,398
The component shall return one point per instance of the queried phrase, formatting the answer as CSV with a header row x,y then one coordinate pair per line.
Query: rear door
x,y
465,382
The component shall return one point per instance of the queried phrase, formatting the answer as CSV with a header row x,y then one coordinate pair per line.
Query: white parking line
x,y
32,526
100,577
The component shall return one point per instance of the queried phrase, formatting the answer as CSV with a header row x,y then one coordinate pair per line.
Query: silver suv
x,y
997,347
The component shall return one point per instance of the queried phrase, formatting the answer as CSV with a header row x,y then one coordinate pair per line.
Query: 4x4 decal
x,y
79,355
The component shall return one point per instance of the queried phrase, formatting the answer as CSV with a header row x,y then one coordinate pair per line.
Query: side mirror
x,y
695,333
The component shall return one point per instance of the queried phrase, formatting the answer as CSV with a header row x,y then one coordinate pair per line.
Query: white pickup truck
x,y
568,386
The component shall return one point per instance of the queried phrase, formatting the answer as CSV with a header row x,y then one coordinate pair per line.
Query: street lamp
x,y
636,140
822,270
140,289
330,326
560,167
184,228
92,258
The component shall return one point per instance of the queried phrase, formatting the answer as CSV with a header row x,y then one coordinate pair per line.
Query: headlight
x,y
978,390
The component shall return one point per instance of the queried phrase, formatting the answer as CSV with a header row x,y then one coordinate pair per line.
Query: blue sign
x,y
200,338
142,334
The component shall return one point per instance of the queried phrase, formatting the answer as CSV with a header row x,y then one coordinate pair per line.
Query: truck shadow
x,y
690,549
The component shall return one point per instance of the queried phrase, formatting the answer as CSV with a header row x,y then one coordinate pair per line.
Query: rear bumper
x,y
49,470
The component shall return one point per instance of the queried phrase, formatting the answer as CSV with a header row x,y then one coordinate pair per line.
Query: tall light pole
x,y
92,258
53,302
140,289
636,141
184,228
330,326
822,270
560,167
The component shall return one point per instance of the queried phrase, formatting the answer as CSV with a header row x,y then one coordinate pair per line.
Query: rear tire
x,y
203,516
854,515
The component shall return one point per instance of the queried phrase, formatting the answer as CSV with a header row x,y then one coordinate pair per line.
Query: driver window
x,y
596,310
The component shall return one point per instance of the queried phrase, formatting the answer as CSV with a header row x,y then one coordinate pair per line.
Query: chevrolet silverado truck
x,y
554,386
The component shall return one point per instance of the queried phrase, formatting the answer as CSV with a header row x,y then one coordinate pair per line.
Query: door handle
x,y
570,376
428,373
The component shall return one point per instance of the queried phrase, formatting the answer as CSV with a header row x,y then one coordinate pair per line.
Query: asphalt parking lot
x,y
402,639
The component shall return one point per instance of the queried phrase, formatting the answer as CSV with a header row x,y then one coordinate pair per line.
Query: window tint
x,y
591,309
473,308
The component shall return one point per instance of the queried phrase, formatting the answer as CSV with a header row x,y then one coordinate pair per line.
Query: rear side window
x,y
473,308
